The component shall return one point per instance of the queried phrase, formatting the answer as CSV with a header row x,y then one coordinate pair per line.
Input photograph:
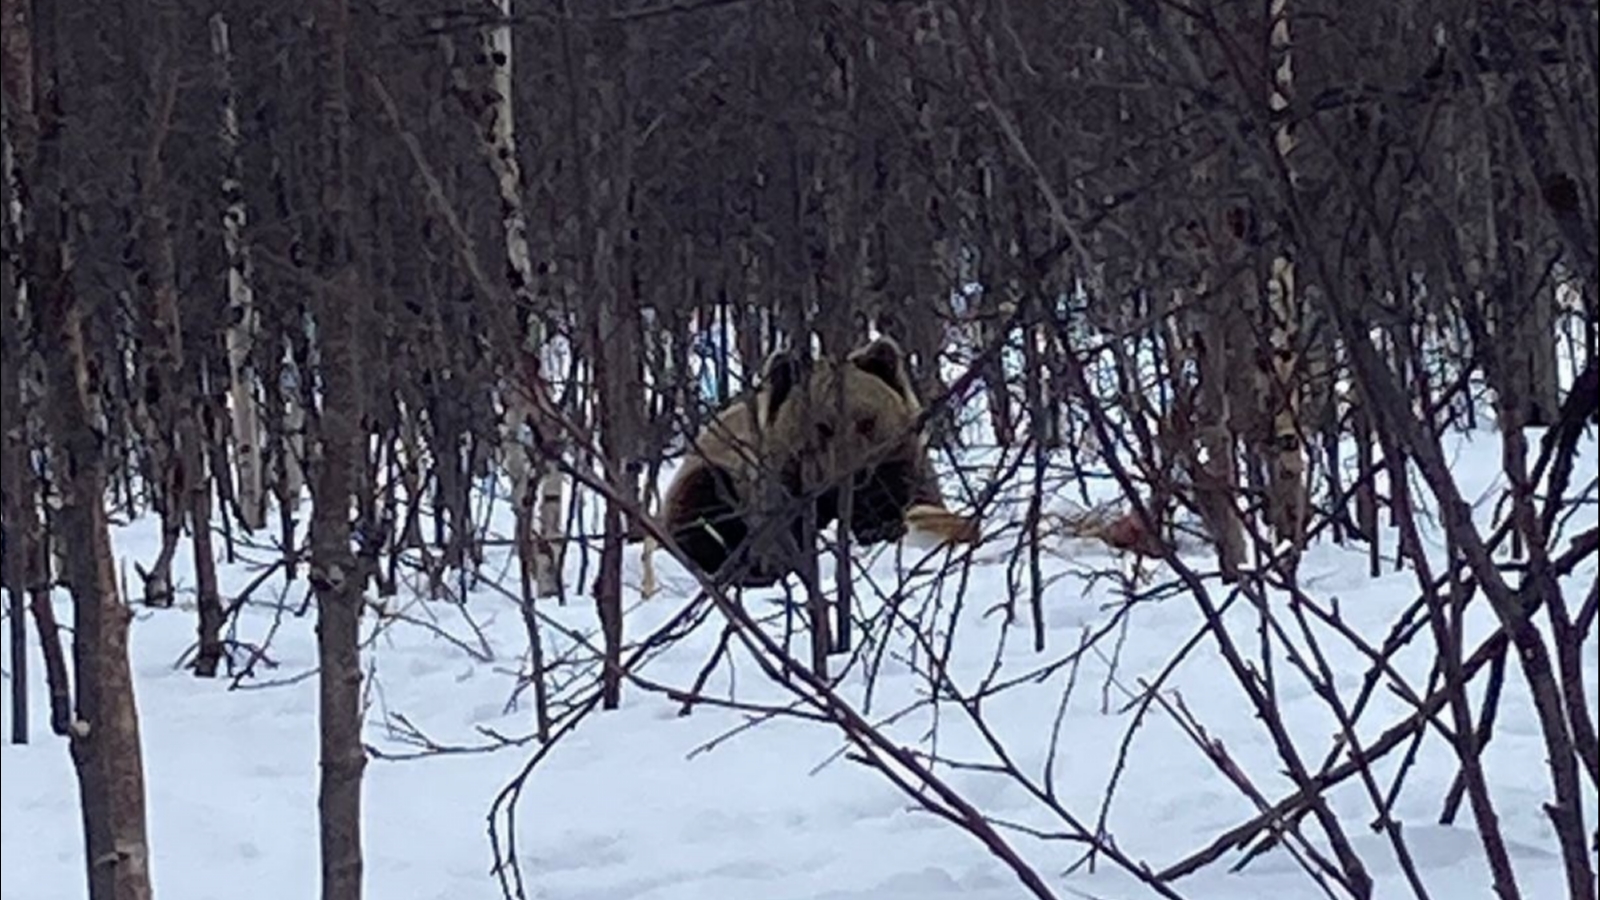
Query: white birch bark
x,y
242,316
498,132
1289,463
294,427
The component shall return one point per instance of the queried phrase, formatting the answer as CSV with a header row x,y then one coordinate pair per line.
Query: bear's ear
x,y
884,360
782,375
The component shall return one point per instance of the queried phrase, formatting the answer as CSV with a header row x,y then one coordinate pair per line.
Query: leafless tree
x,y
340,461
103,734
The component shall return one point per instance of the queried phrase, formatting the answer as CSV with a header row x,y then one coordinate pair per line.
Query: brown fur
x,y
802,434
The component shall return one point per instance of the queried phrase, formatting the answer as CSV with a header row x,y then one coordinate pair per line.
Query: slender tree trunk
x,y
208,599
342,449
16,494
48,631
614,338
242,319
992,326
281,447
530,623
339,590
293,477
1216,475
1286,459
610,371
180,369
494,112
218,460
105,729
173,398
26,562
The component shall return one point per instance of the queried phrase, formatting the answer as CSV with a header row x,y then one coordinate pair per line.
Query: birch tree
x,y
1286,456
243,322
536,488
104,732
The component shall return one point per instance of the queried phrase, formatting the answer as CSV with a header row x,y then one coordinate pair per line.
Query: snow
x,y
632,804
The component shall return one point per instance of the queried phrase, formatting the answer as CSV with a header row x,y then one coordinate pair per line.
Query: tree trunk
x,y
993,317
342,448
1544,385
281,446
16,494
339,588
293,477
614,339
208,599
1286,459
494,113
530,623
13,441
105,730
610,378
242,323
169,396
26,562
1216,476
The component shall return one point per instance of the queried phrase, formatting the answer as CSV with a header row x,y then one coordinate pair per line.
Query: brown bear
x,y
795,440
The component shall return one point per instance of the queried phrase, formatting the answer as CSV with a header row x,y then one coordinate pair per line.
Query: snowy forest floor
x,y
630,807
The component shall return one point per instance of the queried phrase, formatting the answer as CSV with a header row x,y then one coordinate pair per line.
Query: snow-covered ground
x,y
627,809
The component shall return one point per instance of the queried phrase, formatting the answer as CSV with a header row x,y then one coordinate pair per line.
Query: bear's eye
x,y
866,427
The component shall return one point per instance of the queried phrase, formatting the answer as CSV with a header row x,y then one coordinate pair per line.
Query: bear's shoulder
x,y
729,438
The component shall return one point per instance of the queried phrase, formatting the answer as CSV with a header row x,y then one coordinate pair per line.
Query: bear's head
x,y
831,418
